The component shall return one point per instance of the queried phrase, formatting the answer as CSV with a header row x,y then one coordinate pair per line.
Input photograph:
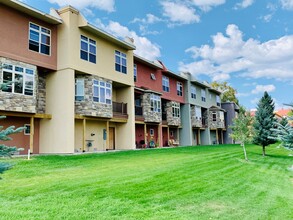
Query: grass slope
x,y
207,182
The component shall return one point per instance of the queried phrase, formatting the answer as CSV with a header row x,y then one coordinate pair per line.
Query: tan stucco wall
x,y
57,134
69,40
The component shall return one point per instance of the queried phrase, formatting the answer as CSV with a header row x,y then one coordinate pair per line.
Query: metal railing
x,y
119,108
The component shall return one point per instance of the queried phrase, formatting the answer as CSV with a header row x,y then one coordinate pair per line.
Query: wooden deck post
x,y
32,131
83,134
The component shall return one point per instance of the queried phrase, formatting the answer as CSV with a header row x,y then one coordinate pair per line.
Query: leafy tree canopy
x,y
228,92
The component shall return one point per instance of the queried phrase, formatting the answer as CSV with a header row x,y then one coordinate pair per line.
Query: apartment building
x,y
73,96
204,121
28,53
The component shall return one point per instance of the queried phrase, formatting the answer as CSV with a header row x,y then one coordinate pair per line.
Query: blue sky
x,y
248,43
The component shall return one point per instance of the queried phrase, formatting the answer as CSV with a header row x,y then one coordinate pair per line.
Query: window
x,y
197,112
221,116
20,80
153,76
152,132
88,49
179,88
155,103
120,62
165,83
27,129
79,89
39,39
218,100
102,92
135,72
176,110
214,114
193,92
203,95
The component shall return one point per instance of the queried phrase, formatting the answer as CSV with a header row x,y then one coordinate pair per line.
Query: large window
x,y
197,112
102,92
221,116
79,89
120,62
39,39
203,95
155,103
176,110
218,100
88,49
179,89
193,92
20,80
135,72
165,82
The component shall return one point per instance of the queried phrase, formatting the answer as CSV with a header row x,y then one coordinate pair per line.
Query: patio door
x,y
111,138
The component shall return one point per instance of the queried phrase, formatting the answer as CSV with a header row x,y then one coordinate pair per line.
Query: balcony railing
x,y
119,108
138,110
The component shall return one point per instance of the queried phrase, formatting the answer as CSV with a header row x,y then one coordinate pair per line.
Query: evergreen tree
x,y
242,130
284,132
264,122
6,151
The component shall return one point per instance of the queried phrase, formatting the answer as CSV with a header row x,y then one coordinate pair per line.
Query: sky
x,y
247,43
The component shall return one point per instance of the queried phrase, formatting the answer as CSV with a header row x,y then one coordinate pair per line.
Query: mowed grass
x,y
206,182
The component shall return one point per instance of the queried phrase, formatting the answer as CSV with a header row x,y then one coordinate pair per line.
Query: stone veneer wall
x,y
195,122
19,102
148,114
41,95
170,119
215,124
88,107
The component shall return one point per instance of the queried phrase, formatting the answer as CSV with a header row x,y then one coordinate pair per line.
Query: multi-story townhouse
x,y
172,101
232,111
28,53
148,110
91,95
204,122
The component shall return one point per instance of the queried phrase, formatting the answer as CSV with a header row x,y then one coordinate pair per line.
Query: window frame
x,y
135,72
203,95
179,88
198,114
89,43
41,33
27,74
218,100
214,116
193,92
176,110
27,127
79,82
155,103
122,58
102,88
166,84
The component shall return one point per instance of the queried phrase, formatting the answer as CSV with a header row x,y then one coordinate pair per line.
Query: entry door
x,y
111,138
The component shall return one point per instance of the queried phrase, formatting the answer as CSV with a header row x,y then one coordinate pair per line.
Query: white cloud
x,y
287,4
230,54
106,5
244,4
263,88
179,13
207,5
150,19
144,47
267,18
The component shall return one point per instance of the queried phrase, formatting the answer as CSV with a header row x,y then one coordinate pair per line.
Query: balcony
x,y
119,109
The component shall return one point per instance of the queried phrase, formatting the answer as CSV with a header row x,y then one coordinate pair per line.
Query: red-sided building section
x,y
28,52
148,87
172,100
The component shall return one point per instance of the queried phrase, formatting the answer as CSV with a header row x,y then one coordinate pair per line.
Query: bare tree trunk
x,y
263,151
244,150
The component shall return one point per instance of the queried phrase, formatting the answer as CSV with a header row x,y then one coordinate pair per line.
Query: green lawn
x,y
207,182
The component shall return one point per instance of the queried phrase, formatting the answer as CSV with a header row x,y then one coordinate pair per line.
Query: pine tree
x,y
284,132
6,151
242,130
264,122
